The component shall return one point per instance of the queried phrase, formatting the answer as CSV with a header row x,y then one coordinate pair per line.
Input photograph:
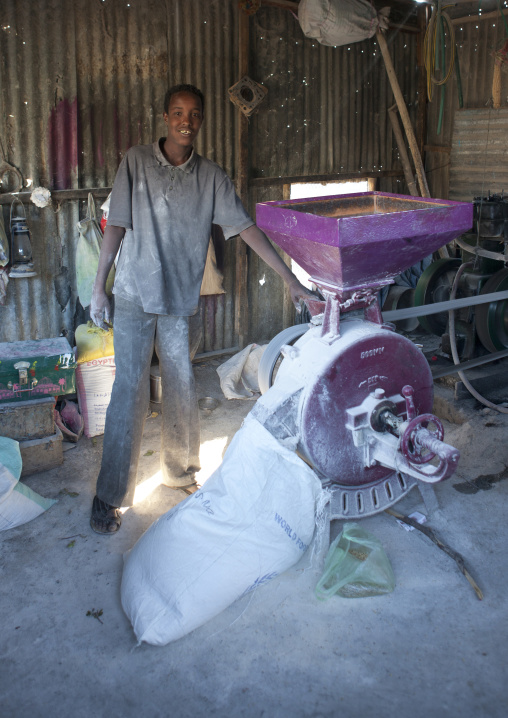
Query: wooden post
x,y
242,174
404,114
496,86
404,157
406,121
421,86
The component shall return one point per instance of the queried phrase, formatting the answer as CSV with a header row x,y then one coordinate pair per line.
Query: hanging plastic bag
x,y
87,255
212,276
105,212
4,244
356,566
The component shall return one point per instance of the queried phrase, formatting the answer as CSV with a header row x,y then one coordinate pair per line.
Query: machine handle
x,y
408,394
418,437
435,446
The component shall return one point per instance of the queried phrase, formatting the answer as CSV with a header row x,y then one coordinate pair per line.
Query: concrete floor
x,y
430,648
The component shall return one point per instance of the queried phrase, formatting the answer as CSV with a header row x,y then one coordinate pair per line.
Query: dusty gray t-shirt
x,y
168,213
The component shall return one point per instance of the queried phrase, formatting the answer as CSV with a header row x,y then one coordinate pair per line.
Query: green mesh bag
x,y
356,566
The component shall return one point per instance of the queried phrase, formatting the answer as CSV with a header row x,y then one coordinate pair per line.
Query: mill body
x,y
351,396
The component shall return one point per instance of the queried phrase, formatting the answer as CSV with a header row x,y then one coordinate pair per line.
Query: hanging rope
x,y
433,46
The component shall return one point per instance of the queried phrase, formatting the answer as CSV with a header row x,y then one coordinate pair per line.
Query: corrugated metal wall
x,y
82,81
326,109
39,136
476,41
479,157
325,112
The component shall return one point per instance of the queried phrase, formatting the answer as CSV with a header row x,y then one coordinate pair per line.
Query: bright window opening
x,y
302,190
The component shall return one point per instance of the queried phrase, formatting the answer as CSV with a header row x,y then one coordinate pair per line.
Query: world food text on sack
x,y
289,531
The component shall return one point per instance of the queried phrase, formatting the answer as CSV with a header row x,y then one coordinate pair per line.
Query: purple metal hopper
x,y
355,241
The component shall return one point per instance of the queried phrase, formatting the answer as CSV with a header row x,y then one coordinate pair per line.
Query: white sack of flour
x,y
253,519
18,503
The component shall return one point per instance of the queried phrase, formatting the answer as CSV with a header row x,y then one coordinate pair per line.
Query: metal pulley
x,y
492,319
434,286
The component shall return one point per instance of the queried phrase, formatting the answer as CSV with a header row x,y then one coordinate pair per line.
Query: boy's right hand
x,y
100,309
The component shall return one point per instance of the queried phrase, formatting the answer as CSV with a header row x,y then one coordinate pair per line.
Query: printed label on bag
x,y
289,531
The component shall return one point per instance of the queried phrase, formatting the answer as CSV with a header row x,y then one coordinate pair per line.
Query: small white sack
x,y
239,375
22,505
253,519
18,503
94,384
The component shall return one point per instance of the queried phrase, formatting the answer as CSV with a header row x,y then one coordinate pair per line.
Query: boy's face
x,y
183,119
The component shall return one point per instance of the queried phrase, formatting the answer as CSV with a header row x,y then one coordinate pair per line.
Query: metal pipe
x,y
480,251
57,195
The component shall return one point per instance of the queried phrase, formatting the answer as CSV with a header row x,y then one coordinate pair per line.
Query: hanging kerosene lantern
x,y
21,246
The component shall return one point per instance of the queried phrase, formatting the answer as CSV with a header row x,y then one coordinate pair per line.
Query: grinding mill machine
x,y
351,396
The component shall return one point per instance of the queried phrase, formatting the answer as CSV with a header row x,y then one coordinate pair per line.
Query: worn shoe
x,y
105,519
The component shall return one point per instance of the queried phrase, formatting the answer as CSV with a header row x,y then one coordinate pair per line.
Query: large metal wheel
x,y
272,354
435,285
401,298
492,318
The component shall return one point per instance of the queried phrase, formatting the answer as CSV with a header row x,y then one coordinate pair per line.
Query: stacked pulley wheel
x,y
492,319
435,285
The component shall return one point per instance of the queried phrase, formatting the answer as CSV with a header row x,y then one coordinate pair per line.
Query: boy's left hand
x,y
300,293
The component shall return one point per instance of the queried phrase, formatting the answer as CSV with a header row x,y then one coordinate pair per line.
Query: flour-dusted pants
x,y
136,333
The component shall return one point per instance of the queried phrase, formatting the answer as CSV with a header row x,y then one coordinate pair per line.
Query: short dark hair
x,y
183,88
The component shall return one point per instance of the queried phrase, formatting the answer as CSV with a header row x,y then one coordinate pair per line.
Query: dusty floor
x,y
430,648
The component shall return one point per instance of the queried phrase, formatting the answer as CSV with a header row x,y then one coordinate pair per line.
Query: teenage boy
x,y
164,201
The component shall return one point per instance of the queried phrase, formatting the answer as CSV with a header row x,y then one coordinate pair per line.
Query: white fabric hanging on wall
x,y
340,22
